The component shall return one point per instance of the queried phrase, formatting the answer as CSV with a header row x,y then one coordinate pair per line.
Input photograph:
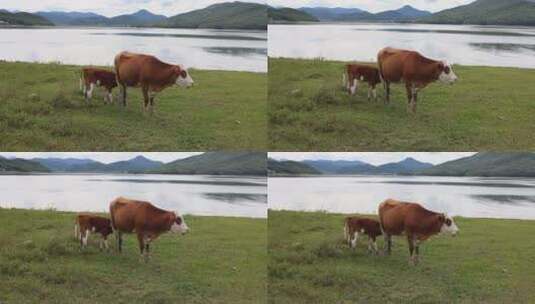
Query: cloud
x,y
105,157
112,7
374,158
374,5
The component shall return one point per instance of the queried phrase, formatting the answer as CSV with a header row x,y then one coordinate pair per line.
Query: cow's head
x,y
179,225
183,78
448,225
446,74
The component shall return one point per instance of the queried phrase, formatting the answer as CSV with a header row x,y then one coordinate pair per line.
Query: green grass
x,y
221,260
490,108
489,262
43,110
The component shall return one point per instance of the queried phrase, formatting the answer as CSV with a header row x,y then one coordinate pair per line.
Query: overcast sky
x,y
111,7
374,158
105,157
374,5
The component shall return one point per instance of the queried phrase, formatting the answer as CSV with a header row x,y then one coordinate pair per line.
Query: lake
x,y
460,196
239,50
459,44
241,196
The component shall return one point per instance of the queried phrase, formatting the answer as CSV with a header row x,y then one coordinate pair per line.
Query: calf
x,y
413,220
146,220
415,70
358,72
92,77
87,223
355,225
149,73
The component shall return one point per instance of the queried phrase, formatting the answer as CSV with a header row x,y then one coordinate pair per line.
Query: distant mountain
x,y
67,18
219,163
513,164
139,18
63,164
137,164
20,165
341,166
228,15
286,14
330,13
488,12
404,14
287,167
22,18
406,166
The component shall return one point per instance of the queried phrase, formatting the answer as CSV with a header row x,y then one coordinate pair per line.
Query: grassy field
x,y
489,262
488,109
221,260
42,109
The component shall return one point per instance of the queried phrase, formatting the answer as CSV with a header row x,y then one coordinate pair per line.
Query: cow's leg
x,y
110,96
355,240
81,239
387,92
388,244
354,86
375,245
370,241
416,251
141,243
119,237
123,93
375,92
408,88
86,237
145,91
152,96
414,99
89,93
76,231
410,240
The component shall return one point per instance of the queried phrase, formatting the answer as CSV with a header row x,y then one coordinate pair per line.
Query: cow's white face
x,y
449,226
184,78
179,225
446,75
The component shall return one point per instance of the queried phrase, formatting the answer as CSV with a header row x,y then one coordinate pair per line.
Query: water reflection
x,y
194,48
459,44
190,194
463,196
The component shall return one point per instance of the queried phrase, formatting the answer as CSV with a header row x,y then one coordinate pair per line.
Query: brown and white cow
x,y
353,226
87,223
357,72
146,220
149,73
413,220
92,77
413,69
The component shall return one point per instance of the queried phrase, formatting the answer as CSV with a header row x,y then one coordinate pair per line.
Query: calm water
x,y
460,44
199,48
463,196
191,194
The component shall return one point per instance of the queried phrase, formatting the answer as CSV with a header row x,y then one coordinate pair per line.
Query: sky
x,y
374,158
374,6
111,8
104,157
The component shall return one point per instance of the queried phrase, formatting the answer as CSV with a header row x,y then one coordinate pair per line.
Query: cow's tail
x,y
346,230
112,214
380,214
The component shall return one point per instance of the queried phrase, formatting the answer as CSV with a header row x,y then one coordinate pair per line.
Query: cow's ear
x,y
441,218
